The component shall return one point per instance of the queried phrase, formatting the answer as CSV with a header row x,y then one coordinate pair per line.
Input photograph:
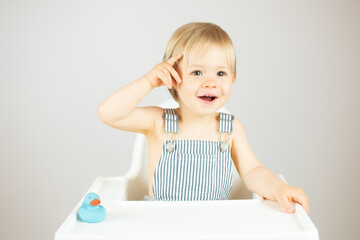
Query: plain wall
x,y
296,93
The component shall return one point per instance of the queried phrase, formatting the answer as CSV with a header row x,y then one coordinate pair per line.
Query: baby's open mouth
x,y
208,98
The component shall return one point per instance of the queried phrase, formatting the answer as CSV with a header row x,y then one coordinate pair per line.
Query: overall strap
x,y
225,130
171,120
226,122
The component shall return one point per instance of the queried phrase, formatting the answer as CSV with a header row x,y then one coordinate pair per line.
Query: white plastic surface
x,y
229,219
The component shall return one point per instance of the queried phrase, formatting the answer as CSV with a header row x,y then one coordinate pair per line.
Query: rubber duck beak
x,y
95,202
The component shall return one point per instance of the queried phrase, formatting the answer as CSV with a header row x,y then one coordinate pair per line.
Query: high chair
x,y
245,215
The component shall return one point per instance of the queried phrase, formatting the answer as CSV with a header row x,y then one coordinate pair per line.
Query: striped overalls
x,y
193,170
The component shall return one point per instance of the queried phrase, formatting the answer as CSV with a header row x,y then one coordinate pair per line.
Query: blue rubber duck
x,y
91,211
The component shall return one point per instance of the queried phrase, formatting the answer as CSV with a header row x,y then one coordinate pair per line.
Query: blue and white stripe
x,y
171,120
226,122
196,169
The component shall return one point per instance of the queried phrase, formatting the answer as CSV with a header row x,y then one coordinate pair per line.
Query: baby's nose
x,y
209,82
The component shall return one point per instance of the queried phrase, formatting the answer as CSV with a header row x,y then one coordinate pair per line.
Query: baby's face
x,y
206,82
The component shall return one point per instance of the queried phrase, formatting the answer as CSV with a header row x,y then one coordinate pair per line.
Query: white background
x,y
296,93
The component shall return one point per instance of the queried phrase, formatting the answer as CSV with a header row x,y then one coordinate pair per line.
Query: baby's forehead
x,y
198,61
204,65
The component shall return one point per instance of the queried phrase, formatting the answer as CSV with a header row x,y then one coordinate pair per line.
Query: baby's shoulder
x,y
157,116
236,123
238,129
154,112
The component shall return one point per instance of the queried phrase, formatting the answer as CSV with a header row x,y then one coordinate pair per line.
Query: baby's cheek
x,y
186,87
227,89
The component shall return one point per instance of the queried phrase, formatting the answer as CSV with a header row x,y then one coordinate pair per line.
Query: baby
x,y
192,148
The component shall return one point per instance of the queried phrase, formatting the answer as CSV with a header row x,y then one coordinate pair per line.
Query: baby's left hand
x,y
284,194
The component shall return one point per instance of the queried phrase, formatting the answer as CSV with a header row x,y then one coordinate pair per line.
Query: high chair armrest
x,y
110,188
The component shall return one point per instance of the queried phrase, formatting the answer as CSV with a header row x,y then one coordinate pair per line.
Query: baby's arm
x,y
119,110
259,179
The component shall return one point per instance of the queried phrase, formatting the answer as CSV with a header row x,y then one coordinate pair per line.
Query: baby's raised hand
x,y
285,194
164,73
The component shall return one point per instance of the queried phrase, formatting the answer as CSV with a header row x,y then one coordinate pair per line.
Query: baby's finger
x,y
173,59
285,203
174,73
302,200
167,79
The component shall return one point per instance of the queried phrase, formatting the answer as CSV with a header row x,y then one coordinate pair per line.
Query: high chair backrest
x,y
137,175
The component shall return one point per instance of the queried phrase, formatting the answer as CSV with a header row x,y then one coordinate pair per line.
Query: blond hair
x,y
195,38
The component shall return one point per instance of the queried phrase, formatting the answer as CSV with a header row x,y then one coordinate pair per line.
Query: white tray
x,y
230,219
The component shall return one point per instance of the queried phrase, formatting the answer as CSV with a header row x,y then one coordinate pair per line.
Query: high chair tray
x,y
230,219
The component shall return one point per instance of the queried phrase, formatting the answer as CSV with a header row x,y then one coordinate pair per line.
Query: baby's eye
x,y
196,72
222,73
